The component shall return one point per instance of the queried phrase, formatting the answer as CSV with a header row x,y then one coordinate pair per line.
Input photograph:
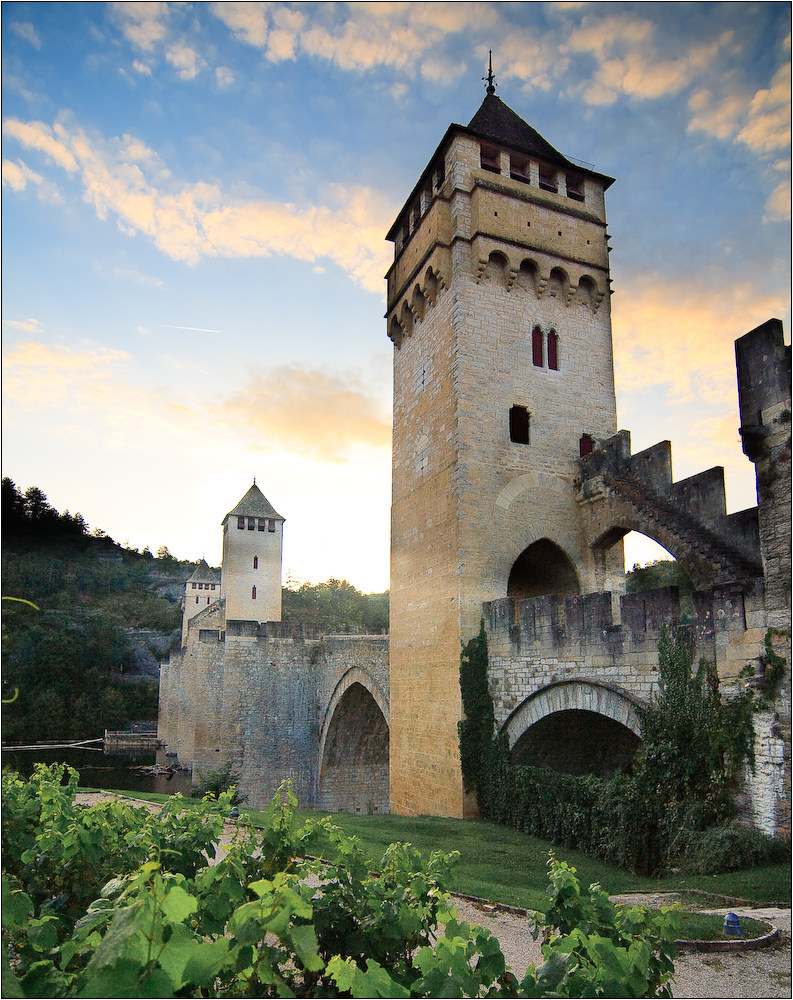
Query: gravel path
x,y
765,973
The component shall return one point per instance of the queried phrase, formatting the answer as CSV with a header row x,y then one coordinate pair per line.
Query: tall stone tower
x,y
252,548
201,590
498,308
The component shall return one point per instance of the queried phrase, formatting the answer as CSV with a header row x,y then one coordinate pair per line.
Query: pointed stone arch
x,y
353,762
543,568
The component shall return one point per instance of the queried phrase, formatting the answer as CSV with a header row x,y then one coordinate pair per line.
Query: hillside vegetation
x,y
68,663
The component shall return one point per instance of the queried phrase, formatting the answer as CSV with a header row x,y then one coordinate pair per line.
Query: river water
x,y
100,770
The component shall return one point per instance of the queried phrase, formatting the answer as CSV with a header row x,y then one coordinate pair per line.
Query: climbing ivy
x,y
682,783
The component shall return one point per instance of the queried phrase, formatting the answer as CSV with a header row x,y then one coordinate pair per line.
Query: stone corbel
x,y
513,273
480,269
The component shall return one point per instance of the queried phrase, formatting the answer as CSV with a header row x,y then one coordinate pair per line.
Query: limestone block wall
x,y
549,655
257,696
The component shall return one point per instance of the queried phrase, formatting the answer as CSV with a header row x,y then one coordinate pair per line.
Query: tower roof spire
x,y
491,80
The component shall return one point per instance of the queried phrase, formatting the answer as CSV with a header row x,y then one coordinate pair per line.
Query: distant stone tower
x,y
201,590
252,549
498,308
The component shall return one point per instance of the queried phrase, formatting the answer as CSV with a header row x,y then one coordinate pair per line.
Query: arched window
x,y
253,593
536,347
255,562
553,351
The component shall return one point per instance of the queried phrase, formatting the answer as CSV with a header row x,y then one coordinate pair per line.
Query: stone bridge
x,y
275,701
567,677
619,492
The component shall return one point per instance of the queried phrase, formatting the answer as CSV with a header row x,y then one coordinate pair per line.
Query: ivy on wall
x,y
682,782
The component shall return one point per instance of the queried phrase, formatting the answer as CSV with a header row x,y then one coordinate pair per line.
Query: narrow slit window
x,y
553,351
519,425
255,562
536,347
253,592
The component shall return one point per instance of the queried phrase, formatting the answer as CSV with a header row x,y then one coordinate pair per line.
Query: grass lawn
x,y
502,865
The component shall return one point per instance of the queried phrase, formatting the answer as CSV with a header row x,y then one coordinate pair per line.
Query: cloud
x,y
761,120
39,376
224,76
680,334
185,60
18,175
768,126
26,30
142,24
290,409
314,413
28,325
37,135
358,36
777,208
125,179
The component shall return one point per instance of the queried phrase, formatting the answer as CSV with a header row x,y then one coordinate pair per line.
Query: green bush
x,y
113,901
683,778
730,848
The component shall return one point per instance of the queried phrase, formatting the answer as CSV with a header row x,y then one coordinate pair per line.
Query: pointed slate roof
x,y
254,504
494,120
204,573
500,124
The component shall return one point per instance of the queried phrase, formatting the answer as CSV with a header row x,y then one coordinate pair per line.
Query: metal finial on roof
x,y
491,84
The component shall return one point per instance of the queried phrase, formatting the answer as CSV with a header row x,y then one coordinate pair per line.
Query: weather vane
x,y
491,86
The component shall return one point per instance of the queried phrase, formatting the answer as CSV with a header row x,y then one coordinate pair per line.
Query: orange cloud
x,y
673,333
308,412
124,178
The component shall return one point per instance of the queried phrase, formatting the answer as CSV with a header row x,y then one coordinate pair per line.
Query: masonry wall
x,y
466,500
572,654
256,697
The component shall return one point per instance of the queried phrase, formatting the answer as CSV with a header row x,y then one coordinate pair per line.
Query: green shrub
x,y
267,920
730,848
682,782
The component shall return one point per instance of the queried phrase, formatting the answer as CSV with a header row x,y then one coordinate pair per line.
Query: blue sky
x,y
195,198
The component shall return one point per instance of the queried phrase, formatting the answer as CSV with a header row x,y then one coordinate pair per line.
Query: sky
x,y
195,201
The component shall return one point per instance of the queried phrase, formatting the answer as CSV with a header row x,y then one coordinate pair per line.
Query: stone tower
x,y
201,590
252,548
498,308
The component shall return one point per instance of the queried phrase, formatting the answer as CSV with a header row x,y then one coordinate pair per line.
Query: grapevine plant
x,y
115,901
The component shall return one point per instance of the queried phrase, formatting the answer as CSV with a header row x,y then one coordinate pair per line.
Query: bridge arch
x,y
353,759
576,727
622,519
